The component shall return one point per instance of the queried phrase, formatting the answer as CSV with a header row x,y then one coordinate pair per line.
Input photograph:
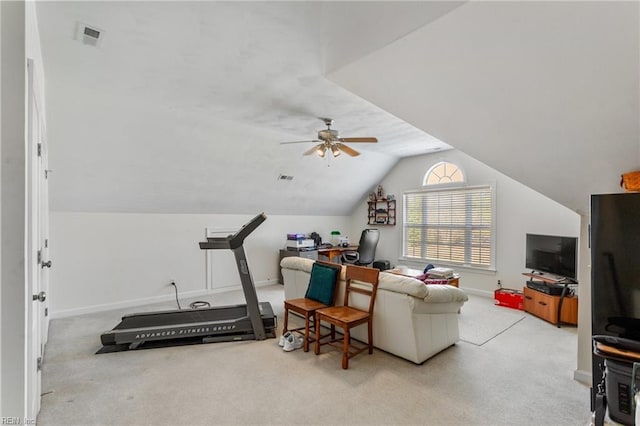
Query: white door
x,y
37,244
43,215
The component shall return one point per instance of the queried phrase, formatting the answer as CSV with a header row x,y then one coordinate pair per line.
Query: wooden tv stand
x,y
555,309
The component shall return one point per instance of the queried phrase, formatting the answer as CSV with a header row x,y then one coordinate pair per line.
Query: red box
x,y
509,298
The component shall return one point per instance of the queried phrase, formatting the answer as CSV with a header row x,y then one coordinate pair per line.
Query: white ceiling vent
x,y
89,35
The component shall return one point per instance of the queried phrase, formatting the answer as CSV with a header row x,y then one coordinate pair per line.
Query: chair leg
x,y
345,349
316,325
370,325
285,321
306,332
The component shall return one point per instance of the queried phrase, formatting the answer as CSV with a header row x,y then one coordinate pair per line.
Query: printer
x,y
299,241
302,244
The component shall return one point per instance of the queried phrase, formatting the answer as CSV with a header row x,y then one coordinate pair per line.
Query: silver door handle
x,y
41,297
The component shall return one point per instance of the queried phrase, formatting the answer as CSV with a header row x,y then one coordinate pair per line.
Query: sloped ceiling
x,y
183,105
546,92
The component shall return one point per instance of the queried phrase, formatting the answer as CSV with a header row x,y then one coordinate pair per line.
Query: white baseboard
x,y
150,300
483,293
582,376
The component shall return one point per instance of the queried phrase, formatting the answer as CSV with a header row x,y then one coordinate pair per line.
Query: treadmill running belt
x,y
189,326
167,318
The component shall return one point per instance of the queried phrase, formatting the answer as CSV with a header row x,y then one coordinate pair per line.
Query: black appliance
x,y
382,265
615,271
547,288
553,254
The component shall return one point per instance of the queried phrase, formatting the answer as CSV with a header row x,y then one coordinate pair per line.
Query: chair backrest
x,y
367,246
323,282
366,283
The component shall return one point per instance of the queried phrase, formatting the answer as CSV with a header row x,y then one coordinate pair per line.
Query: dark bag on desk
x,y
382,265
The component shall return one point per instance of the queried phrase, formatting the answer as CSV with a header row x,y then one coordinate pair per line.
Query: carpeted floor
x,y
480,322
522,376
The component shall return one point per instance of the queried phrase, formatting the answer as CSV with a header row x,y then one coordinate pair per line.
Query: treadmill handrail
x,y
235,240
214,244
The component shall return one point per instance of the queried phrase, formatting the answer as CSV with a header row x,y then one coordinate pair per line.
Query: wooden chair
x,y
358,280
321,293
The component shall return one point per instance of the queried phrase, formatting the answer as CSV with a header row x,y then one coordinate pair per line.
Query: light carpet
x,y
509,381
480,320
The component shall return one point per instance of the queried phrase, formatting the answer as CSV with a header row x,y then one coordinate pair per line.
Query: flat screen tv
x,y
552,254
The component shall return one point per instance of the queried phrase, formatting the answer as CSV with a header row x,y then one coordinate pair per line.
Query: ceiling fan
x,y
329,141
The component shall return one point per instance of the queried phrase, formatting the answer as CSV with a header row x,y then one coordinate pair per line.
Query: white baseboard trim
x,y
582,376
476,292
150,300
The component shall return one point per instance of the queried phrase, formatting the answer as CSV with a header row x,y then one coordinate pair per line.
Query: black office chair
x,y
366,249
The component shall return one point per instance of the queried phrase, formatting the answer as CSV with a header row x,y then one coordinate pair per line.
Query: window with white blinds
x,y
455,226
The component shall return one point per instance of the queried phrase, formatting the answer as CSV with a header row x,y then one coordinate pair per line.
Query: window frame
x,y
463,175
449,187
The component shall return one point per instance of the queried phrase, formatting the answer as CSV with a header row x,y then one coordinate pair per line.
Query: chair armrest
x,y
351,256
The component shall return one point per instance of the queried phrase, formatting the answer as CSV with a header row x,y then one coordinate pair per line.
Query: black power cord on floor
x,y
175,287
194,305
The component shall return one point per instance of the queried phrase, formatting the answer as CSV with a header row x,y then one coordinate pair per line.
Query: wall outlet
x,y
171,282
499,284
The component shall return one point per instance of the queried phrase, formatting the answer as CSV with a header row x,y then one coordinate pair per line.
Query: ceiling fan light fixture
x,y
328,140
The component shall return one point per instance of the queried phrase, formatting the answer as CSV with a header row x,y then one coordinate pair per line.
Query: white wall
x,y
110,260
583,370
12,214
520,210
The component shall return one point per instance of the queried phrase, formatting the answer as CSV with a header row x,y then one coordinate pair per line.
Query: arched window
x,y
443,172
450,224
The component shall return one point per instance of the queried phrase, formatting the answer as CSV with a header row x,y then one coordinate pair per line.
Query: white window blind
x,y
452,225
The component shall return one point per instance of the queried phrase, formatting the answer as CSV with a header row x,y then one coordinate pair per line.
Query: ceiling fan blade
x,y
350,151
285,143
351,140
314,149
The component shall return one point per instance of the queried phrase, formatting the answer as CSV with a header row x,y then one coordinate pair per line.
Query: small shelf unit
x,y
381,211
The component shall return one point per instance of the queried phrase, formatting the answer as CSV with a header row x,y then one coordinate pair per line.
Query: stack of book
x,y
440,273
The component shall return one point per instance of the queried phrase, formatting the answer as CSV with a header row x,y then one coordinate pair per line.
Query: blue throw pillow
x,y
322,285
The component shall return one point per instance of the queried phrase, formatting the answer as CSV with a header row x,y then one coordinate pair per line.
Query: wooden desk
x,y
331,252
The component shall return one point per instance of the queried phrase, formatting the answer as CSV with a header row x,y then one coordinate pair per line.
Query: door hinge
x,y
39,363
39,150
46,312
39,257
46,243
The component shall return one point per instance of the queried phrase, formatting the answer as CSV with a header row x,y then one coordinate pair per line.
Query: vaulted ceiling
x,y
182,106
548,93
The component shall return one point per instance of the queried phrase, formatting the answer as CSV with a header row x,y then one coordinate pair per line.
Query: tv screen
x,y
552,254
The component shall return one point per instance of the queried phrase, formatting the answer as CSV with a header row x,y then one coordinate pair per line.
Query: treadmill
x,y
251,321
